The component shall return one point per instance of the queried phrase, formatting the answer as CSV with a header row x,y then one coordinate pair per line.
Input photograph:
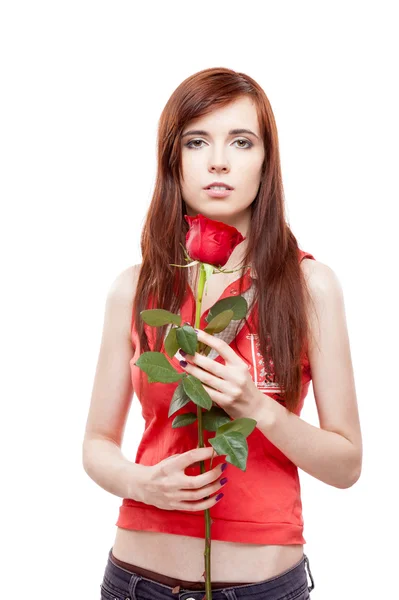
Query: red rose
x,y
210,241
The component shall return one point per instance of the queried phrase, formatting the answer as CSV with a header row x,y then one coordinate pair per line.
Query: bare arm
x,y
333,452
326,455
111,398
105,463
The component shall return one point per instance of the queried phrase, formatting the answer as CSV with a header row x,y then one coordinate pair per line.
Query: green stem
x,y
207,552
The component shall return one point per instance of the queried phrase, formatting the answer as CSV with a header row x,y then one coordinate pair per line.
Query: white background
x,y
82,88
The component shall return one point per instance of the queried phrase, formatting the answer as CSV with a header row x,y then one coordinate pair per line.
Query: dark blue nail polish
x,y
224,466
182,352
219,496
223,481
183,363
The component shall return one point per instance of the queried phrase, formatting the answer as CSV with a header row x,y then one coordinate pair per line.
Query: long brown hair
x,y
272,249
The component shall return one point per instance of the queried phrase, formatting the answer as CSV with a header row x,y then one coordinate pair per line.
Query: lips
x,y
222,193
219,184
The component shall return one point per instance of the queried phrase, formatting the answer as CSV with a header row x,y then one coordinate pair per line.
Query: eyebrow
x,y
231,132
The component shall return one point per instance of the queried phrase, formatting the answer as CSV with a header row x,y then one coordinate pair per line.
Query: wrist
x,y
136,477
265,416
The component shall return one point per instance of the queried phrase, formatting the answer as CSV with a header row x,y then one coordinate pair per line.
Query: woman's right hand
x,y
167,486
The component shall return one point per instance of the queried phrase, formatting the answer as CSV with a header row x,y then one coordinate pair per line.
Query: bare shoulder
x,y
122,292
325,292
320,277
330,358
124,284
112,386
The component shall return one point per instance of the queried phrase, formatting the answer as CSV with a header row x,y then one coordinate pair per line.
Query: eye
x,y
192,142
189,144
250,144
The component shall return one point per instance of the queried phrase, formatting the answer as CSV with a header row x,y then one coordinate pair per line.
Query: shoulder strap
x,y
303,254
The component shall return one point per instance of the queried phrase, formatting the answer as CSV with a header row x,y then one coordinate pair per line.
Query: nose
x,y
219,168
218,162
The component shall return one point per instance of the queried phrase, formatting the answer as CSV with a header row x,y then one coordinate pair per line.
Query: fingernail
x,y
197,330
224,466
219,496
223,481
183,363
182,352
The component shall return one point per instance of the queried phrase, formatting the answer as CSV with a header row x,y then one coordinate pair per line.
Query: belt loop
x,y
309,572
132,585
230,594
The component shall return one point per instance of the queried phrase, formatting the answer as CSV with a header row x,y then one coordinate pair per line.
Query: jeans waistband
x,y
165,579
116,571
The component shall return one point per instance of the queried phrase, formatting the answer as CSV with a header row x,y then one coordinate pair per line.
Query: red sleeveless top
x,y
261,505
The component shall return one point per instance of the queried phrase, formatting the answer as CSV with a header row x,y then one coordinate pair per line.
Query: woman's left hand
x,y
230,385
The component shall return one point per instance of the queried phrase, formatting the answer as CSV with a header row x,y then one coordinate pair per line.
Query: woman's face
x,y
215,154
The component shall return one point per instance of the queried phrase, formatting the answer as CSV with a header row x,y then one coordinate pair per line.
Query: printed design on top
x,y
262,367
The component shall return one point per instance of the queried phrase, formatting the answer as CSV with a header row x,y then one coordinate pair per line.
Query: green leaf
x,y
187,339
234,445
201,346
220,322
196,392
179,398
158,317
244,425
237,304
214,418
207,350
184,419
171,343
157,366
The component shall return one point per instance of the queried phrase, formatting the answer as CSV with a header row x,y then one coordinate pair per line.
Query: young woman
x,y
218,129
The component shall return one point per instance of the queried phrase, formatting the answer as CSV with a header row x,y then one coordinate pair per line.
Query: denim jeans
x,y
121,584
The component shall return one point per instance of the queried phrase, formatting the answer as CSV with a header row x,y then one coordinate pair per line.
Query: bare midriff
x,y
182,556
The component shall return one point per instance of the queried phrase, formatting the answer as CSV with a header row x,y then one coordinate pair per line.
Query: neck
x,y
237,257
